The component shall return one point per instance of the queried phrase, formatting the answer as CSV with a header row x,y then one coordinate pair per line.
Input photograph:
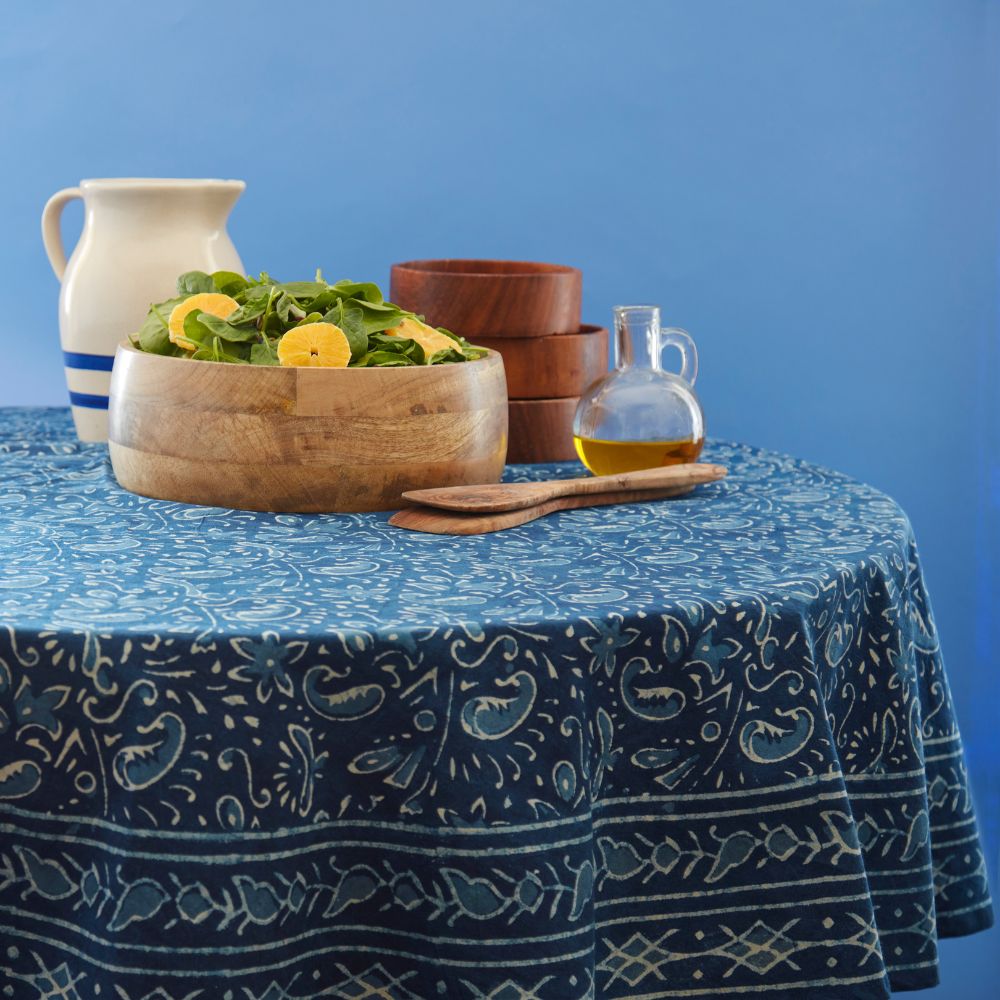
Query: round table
x,y
696,747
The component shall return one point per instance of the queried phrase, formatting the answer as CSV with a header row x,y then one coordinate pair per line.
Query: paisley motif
x,y
494,716
646,693
140,765
334,701
19,778
767,742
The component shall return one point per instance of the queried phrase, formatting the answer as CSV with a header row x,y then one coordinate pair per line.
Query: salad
x,y
259,321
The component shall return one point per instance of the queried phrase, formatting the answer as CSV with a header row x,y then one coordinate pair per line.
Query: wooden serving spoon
x,y
449,522
493,497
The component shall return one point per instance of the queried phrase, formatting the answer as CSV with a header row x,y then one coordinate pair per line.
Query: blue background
x,y
812,189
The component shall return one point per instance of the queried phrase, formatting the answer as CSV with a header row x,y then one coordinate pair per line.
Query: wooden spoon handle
x,y
492,497
441,522
686,474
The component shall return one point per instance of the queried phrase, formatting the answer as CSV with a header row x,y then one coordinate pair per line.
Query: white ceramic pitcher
x,y
138,235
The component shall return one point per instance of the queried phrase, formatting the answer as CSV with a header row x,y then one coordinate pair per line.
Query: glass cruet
x,y
639,416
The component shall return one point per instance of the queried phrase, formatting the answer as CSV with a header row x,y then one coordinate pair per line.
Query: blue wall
x,y
810,188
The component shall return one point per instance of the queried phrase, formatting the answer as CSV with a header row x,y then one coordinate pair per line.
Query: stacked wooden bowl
x,y
529,313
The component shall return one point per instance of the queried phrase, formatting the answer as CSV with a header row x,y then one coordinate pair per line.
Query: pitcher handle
x,y
674,336
51,233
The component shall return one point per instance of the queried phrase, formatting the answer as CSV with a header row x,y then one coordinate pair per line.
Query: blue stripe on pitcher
x,y
86,399
91,362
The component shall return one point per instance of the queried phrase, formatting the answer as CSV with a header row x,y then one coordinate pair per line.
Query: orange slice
x,y
315,345
427,337
214,303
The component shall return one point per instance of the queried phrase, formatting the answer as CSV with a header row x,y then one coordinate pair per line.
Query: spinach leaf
x,y
288,310
256,293
193,282
196,331
214,351
322,302
446,356
229,282
468,351
159,343
346,315
353,324
224,329
305,291
365,290
249,312
379,317
387,307
384,359
362,293
154,334
271,324
381,342
263,354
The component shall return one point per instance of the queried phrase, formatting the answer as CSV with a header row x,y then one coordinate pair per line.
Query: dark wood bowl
x,y
541,430
490,298
546,367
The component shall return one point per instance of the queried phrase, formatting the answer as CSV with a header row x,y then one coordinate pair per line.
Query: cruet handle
x,y
674,336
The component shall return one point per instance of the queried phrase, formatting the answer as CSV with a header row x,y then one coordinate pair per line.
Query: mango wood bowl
x,y
302,439
544,367
490,298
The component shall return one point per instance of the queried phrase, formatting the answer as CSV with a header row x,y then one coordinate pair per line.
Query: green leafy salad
x,y
259,321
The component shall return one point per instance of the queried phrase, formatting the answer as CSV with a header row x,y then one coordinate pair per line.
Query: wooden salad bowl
x,y
305,440
490,298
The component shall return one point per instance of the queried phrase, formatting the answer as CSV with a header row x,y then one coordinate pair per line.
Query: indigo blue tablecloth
x,y
694,748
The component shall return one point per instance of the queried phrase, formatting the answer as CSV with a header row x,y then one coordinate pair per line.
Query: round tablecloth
x,y
696,747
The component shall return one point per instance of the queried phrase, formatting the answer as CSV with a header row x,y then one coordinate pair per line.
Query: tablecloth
x,y
700,747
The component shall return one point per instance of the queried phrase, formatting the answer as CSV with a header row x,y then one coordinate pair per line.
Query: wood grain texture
x,y
302,439
490,298
493,497
552,367
447,522
541,430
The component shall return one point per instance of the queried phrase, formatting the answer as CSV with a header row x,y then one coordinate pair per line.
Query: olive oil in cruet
x,y
608,458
